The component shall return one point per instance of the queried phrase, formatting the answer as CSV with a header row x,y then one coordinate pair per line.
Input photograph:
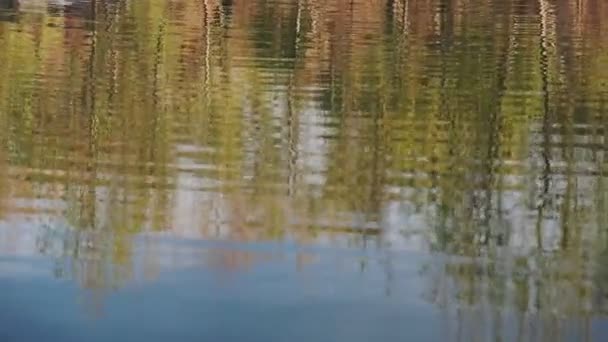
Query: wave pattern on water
x,y
473,132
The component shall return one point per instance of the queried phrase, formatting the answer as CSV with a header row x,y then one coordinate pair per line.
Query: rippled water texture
x,y
336,170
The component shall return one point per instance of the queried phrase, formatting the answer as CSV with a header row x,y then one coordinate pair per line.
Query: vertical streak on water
x,y
160,42
93,121
207,24
292,115
546,154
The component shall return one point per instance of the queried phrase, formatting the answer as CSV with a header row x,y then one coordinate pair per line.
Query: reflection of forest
x,y
471,128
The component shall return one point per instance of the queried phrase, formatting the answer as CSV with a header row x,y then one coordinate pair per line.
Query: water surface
x,y
337,170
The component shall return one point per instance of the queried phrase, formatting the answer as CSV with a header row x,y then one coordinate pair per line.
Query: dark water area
x,y
337,170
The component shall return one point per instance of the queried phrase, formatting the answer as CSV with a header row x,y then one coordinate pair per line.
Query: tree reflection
x,y
475,129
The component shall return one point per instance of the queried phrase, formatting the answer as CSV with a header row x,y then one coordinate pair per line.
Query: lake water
x,y
336,170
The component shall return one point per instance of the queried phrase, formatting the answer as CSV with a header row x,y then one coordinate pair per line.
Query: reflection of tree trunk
x,y
378,166
156,99
445,110
546,153
600,204
292,140
292,116
494,133
298,24
91,158
206,57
